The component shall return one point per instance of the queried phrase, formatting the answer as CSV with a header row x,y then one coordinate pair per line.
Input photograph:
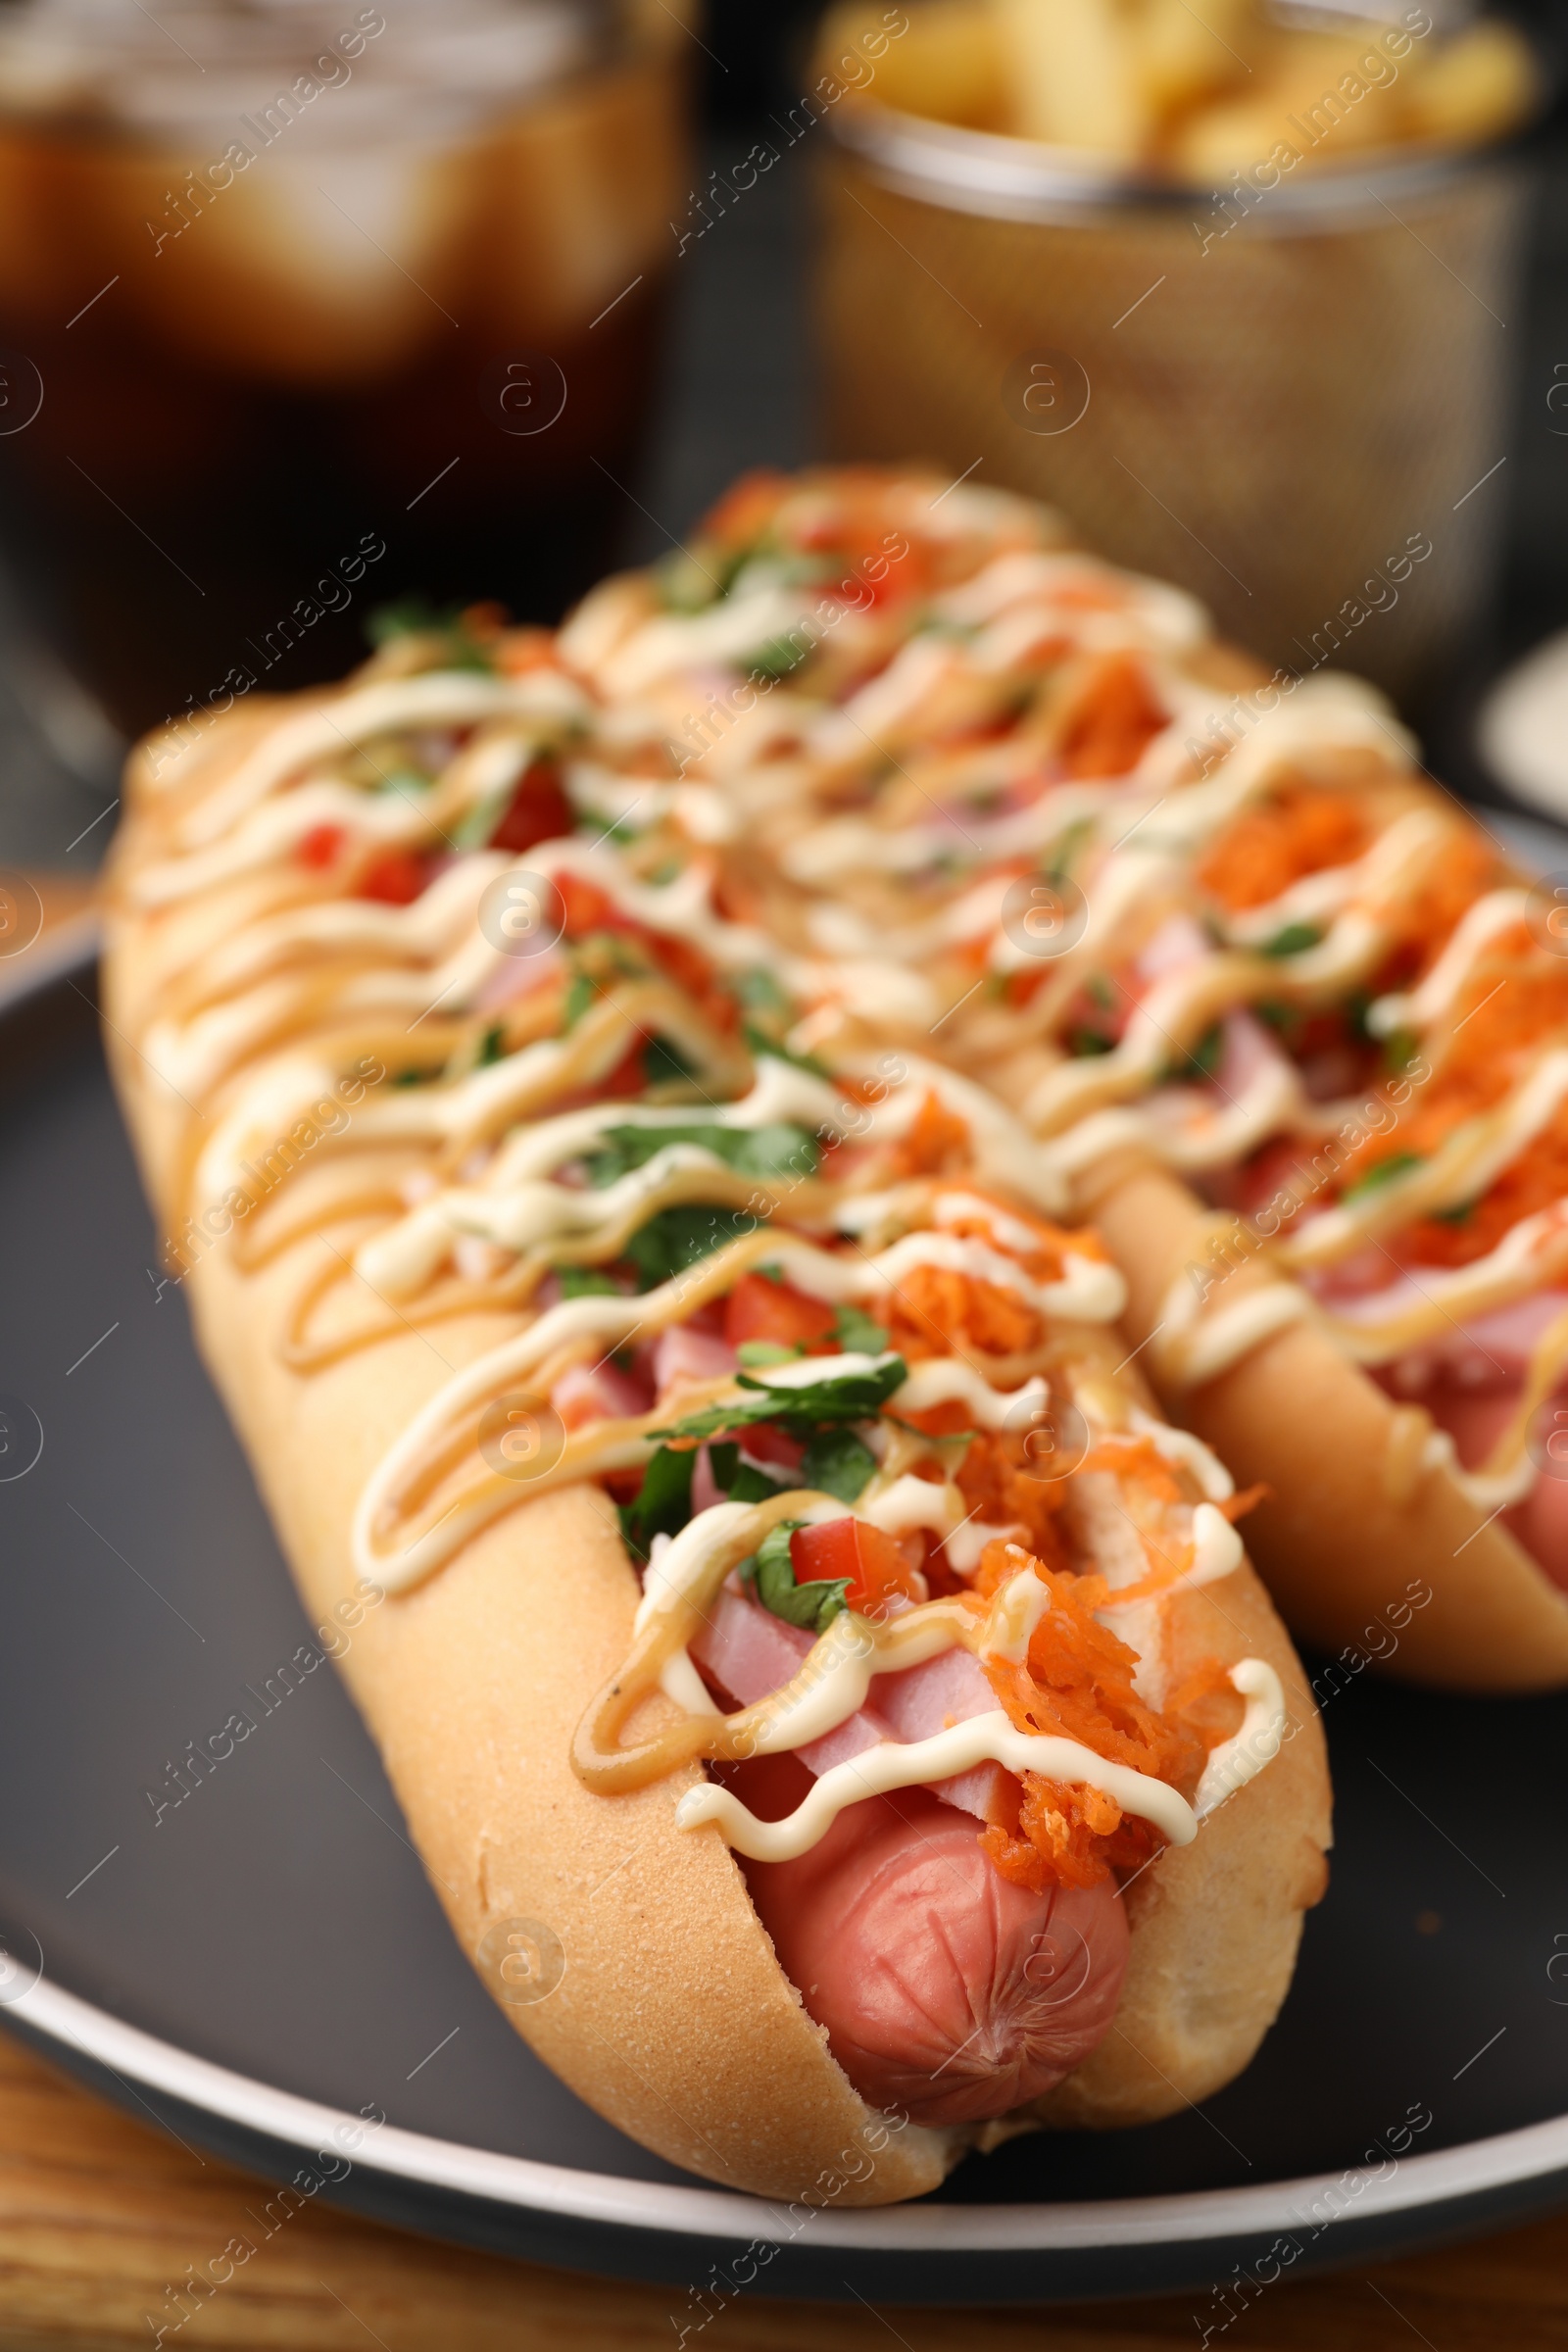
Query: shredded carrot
x,y
1493,1022
1078,1684
1422,919
1001,1487
1297,830
1140,1461
1514,999
935,1144
1068,1835
1111,720
1537,1179
937,1312
1045,1261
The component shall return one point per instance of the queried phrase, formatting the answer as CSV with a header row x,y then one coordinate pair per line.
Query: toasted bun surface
x,y
671,2015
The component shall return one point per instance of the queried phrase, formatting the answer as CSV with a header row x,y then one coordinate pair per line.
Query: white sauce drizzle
x,y
1193,1349
1239,1759
1498,912
432,699
890,1765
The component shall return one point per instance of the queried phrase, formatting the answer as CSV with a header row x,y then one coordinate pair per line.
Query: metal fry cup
x,y
1293,401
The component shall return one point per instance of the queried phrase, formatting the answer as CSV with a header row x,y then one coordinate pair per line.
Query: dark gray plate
x,y
257,1964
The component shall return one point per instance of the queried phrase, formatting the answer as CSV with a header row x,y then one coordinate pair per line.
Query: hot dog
x,y
602,1317
1223,942
946,1992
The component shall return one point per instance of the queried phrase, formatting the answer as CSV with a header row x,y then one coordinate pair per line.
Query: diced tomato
x,y
322,846
760,1310
766,1441
587,908
395,876
626,1079
690,970
538,811
873,1561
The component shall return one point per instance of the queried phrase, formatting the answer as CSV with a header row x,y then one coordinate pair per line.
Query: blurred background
x,y
307,310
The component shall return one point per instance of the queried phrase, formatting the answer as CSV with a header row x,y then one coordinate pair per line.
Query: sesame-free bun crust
x,y
673,2017
1351,1528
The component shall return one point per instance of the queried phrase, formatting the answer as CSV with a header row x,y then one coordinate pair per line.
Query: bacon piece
x,y
749,1653
684,1357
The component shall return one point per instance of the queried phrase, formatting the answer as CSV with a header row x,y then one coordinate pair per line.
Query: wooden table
x,y
100,2217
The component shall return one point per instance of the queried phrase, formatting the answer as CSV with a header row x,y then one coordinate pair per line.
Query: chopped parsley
x,y
664,1501
839,1462
1204,1058
857,1396
586,1282
1293,940
665,1065
780,1149
759,1043
770,1573
581,994
742,1482
597,959
858,1334
454,646
1399,1164
682,1236
778,656
474,831
836,1461
760,991
688,584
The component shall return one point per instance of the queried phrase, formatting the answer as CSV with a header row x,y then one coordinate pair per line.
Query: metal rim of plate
x,y
679,2235
653,2229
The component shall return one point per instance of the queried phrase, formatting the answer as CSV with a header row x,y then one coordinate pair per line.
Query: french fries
x,y
949,65
1195,89
1074,79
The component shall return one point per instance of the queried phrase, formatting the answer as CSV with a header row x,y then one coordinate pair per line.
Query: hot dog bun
x,y
671,2015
